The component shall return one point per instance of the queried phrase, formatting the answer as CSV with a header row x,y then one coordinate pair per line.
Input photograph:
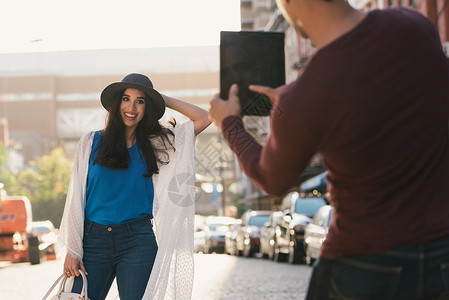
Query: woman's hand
x,y
198,115
72,266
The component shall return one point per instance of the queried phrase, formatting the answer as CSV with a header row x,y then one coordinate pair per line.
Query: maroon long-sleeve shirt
x,y
375,103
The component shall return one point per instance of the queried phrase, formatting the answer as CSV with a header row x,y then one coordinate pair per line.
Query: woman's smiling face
x,y
132,107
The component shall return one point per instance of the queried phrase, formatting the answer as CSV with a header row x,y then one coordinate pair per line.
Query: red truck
x,y
22,240
15,219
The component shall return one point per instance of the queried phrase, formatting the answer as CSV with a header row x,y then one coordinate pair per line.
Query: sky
x,y
58,25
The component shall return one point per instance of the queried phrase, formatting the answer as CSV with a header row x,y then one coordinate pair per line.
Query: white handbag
x,y
63,295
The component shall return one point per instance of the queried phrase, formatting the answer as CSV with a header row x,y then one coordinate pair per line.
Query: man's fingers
x,y
271,93
233,92
262,89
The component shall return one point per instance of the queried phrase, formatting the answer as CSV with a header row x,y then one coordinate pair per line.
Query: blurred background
x,y
57,56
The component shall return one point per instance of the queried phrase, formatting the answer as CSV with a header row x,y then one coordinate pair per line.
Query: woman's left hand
x,y
193,112
72,266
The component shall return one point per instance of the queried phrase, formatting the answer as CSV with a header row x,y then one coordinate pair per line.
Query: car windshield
x,y
218,227
258,220
40,230
308,206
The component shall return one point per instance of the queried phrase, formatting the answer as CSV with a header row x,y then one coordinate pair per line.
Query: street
x,y
217,277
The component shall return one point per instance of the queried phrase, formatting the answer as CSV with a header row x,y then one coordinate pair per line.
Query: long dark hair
x,y
112,148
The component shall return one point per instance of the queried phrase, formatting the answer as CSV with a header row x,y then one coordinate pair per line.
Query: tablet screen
x,y
251,57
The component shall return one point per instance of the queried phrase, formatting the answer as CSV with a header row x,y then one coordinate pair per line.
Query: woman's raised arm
x,y
198,115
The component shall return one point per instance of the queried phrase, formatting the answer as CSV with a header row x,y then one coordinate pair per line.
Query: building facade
x,y
50,99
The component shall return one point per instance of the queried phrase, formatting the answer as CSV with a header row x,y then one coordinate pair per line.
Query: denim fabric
x,y
125,251
409,272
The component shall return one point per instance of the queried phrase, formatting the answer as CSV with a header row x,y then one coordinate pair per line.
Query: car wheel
x,y
295,255
34,254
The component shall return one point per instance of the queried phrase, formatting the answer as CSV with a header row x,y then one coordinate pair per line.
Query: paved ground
x,y
217,277
233,278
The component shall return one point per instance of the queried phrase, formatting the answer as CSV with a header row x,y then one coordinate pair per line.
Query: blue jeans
x,y
409,272
125,251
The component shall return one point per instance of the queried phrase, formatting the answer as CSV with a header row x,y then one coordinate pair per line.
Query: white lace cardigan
x,y
173,210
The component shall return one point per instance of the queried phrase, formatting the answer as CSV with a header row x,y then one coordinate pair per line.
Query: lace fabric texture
x,y
173,210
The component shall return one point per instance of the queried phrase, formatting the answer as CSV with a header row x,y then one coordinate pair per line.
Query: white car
x,y
216,229
45,229
315,233
199,234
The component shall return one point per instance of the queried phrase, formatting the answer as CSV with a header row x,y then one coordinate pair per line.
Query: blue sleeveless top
x,y
118,196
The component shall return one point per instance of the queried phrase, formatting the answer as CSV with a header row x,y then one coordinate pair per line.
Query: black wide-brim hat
x,y
135,81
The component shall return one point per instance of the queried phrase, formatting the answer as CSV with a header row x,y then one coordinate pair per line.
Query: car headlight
x,y
17,238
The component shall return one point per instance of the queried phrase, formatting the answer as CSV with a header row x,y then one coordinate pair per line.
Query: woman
x,y
125,178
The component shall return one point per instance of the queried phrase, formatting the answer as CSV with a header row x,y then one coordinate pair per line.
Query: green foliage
x,y
6,177
45,183
3,157
49,186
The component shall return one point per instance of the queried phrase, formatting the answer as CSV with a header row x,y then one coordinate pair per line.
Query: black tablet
x,y
251,57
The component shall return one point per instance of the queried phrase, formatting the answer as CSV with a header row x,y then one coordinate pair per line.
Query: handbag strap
x,y
53,286
83,294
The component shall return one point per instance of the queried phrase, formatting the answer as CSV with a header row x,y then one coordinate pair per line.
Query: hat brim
x,y
156,99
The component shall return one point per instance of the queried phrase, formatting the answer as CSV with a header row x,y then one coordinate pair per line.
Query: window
x,y
308,206
258,220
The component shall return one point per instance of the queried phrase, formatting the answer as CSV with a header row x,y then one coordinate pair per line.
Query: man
x,y
374,100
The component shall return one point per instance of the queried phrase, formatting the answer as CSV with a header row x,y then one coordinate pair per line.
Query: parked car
x,y
216,228
199,235
315,233
268,235
296,214
230,247
44,235
248,235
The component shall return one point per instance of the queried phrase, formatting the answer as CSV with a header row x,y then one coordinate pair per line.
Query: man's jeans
x,y
411,272
126,251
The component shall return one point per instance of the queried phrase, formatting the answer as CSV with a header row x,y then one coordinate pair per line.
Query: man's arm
x,y
275,167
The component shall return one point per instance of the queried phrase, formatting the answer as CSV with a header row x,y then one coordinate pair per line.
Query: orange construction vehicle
x,y
15,219
22,240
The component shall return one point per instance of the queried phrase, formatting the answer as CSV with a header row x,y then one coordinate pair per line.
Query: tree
x,y
6,176
48,186
45,183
